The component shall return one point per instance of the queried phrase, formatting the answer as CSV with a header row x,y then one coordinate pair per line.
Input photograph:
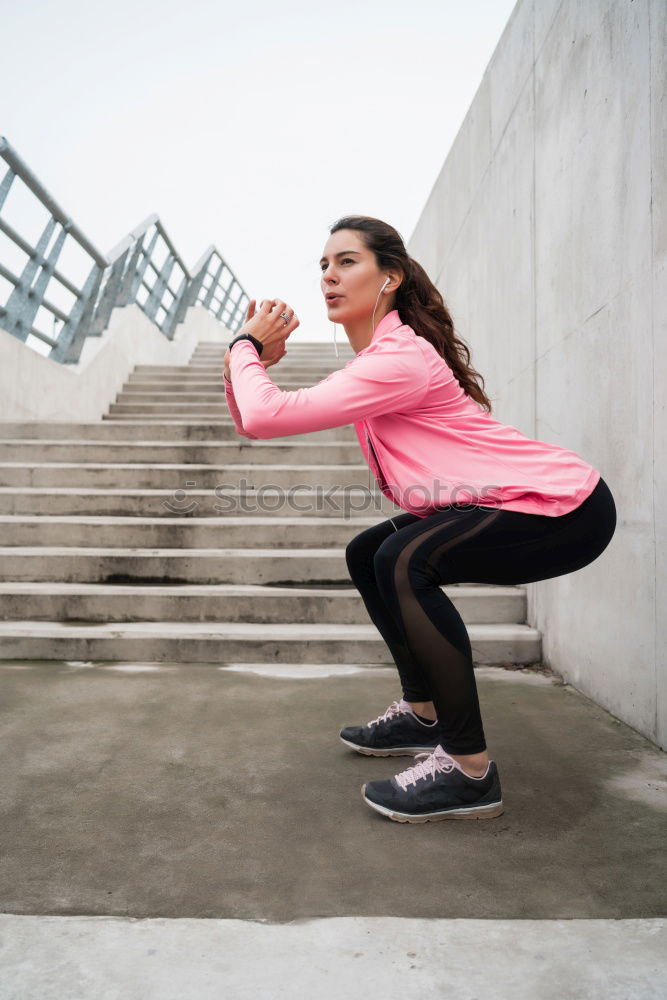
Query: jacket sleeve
x,y
376,382
233,408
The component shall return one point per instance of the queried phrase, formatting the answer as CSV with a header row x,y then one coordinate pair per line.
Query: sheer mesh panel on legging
x,y
400,565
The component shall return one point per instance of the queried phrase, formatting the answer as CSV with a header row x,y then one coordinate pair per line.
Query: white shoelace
x,y
396,708
431,764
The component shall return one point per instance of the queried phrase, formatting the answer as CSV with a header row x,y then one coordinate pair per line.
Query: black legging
x,y
398,567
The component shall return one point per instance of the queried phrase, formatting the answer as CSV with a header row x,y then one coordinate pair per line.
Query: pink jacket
x,y
426,441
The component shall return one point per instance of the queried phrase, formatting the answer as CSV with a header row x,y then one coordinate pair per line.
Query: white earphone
x,y
376,305
372,318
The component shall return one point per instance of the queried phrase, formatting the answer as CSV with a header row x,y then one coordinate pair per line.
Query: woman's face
x,y
350,272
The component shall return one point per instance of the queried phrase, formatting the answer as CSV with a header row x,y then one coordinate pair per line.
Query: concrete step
x,y
176,431
183,476
68,500
213,373
295,348
273,451
209,373
322,358
215,378
220,419
291,372
180,533
211,396
166,418
95,602
312,353
214,367
173,379
243,642
172,395
170,565
193,410
189,385
193,388
296,343
275,372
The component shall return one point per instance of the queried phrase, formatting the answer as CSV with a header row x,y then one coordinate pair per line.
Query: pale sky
x,y
251,125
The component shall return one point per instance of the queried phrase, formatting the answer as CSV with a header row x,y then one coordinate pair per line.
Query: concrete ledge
x,y
32,387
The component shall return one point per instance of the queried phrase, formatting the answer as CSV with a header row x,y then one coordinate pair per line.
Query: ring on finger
x,y
286,317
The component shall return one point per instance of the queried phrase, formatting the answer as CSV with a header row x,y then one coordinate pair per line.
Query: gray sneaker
x,y
436,787
396,733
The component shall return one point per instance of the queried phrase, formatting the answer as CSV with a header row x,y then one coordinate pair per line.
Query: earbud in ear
x,y
385,284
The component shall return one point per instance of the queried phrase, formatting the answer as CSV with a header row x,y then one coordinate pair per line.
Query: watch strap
x,y
247,336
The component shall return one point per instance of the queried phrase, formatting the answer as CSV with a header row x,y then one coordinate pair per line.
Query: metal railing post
x,y
127,275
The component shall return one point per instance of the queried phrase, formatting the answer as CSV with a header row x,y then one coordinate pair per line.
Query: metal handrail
x,y
128,274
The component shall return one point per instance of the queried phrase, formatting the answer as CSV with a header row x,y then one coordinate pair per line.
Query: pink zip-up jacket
x,y
427,442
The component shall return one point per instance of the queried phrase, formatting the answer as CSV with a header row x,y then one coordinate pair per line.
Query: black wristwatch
x,y
247,336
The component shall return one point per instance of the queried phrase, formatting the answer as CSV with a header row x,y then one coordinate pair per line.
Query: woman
x,y
482,502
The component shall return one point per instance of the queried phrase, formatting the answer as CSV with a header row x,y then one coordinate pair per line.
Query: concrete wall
x,y
32,387
546,232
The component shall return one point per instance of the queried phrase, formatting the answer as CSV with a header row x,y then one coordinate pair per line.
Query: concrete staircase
x,y
159,534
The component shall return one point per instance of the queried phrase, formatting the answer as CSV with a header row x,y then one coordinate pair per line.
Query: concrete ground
x,y
109,958
210,795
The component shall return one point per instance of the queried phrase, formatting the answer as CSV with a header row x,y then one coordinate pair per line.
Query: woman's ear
x,y
396,278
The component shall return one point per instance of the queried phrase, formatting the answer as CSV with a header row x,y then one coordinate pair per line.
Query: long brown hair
x,y
418,301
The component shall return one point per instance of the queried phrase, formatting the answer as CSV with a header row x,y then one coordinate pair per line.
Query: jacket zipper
x,y
371,450
383,481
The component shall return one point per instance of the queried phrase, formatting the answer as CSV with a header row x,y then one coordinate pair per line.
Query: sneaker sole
x,y
489,811
387,751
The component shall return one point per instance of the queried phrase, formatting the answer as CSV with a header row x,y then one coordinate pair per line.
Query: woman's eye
x,y
345,260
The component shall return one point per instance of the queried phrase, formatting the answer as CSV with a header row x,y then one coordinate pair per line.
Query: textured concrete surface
x,y
186,790
105,958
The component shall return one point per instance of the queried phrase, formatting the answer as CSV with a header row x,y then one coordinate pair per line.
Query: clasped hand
x,y
269,327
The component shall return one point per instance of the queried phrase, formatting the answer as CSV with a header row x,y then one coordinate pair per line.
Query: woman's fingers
x,y
280,307
283,307
269,324
292,324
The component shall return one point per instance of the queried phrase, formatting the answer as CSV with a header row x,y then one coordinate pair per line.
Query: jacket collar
x,y
388,323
